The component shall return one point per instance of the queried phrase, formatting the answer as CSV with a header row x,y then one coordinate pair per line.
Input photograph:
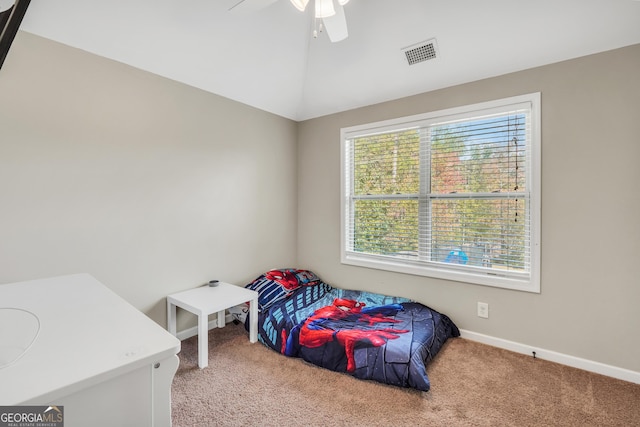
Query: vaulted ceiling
x,y
269,59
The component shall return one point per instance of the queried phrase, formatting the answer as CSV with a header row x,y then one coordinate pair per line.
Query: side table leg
x,y
203,341
253,317
171,318
221,319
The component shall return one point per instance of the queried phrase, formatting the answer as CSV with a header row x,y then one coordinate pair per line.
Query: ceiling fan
x,y
329,14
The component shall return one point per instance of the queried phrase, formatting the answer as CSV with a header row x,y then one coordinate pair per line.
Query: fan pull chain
x,y
317,28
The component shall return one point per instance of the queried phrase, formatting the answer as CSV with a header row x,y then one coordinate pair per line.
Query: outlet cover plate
x,y
483,310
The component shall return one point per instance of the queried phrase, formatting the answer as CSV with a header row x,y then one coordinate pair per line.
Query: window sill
x,y
399,266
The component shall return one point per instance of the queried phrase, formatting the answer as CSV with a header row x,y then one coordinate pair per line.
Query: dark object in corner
x,y
10,21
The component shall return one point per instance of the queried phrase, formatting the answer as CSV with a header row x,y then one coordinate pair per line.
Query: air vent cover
x,y
421,52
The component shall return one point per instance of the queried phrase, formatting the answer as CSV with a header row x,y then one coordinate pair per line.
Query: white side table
x,y
207,300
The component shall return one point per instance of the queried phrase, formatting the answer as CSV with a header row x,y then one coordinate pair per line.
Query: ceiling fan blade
x,y
248,6
336,25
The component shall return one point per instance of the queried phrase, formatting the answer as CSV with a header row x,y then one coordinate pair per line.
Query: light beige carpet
x,y
471,385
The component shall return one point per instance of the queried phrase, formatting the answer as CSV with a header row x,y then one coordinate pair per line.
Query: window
x,y
452,194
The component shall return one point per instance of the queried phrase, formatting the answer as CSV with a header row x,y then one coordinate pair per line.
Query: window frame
x,y
529,282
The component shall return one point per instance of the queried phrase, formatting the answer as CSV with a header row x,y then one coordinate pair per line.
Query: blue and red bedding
x,y
370,336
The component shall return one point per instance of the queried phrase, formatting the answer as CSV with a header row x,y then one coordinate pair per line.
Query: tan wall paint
x,y
590,239
149,185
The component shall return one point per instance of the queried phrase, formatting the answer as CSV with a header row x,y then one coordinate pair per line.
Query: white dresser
x,y
93,353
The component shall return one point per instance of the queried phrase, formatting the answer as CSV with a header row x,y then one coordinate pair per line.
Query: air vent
x,y
421,52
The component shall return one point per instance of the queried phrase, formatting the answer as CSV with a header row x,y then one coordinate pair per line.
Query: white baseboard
x,y
192,332
552,356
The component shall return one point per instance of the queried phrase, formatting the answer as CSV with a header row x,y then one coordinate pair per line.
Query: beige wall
x,y
589,304
149,185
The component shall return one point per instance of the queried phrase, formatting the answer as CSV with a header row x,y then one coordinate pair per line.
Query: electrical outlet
x,y
483,310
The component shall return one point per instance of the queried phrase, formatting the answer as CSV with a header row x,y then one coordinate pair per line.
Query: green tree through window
x,y
387,182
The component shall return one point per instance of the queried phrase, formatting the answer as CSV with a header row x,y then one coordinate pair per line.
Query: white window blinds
x,y
448,192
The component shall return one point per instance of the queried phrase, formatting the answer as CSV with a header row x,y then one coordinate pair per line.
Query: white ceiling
x,y
268,59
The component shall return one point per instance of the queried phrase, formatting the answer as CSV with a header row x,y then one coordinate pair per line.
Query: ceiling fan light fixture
x,y
301,5
324,8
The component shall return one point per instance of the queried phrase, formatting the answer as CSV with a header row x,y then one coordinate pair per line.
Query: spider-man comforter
x,y
371,336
